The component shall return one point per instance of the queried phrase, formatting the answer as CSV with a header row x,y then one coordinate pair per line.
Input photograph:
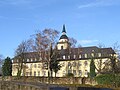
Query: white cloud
x,y
99,3
87,41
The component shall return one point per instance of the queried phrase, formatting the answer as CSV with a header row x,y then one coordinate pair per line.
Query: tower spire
x,y
64,30
63,41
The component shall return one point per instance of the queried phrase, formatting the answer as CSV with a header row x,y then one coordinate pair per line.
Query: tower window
x,y
61,47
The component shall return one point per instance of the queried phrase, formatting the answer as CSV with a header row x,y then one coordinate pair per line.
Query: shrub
x,y
108,79
69,75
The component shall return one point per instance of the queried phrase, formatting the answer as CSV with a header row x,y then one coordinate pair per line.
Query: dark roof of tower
x,y
64,37
64,30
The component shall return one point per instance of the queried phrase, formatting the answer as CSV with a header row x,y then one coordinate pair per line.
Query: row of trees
x,y
41,42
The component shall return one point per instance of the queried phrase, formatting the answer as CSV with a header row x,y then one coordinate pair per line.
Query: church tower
x,y
63,41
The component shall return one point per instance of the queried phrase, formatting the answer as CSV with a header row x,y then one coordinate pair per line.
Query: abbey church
x,y
72,60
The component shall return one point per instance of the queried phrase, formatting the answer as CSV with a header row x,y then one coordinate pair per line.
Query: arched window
x,y
61,47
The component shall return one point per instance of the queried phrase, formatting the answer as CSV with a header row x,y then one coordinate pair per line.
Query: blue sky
x,y
89,21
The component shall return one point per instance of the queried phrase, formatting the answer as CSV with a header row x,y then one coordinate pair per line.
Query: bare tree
x,y
100,64
1,60
1,63
73,42
23,47
44,41
112,65
115,60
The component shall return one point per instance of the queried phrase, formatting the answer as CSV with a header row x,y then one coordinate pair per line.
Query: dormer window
x,y
85,55
80,56
27,60
99,54
64,57
74,56
68,56
31,59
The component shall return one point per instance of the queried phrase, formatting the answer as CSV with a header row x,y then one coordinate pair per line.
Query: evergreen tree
x,y
55,66
7,67
92,69
54,63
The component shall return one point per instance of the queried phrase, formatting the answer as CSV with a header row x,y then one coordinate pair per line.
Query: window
x,y
79,64
27,73
86,63
85,55
80,73
74,64
74,56
99,54
45,65
35,59
86,72
38,65
69,65
34,73
44,73
35,65
63,73
69,57
69,71
80,56
30,65
40,58
63,64
61,47
64,57
38,73
31,59
27,60
30,73
74,72
92,54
